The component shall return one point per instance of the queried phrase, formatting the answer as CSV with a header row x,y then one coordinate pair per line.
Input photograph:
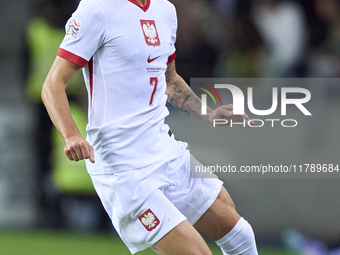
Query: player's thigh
x,y
220,218
182,240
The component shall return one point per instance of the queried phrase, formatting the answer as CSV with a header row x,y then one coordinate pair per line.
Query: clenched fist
x,y
226,112
77,148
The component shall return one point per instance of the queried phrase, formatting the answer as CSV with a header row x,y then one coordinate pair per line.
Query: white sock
x,y
239,241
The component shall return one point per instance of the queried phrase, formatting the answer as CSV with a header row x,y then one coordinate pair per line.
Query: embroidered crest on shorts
x,y
150,32
73,29
149,220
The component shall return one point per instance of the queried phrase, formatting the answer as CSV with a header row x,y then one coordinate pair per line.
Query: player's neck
x,y
142,2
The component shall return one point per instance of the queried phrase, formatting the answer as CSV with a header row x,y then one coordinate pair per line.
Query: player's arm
x,y
181,96
56,102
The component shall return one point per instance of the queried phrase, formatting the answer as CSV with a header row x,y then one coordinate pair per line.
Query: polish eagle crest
x,y
149,220
150,32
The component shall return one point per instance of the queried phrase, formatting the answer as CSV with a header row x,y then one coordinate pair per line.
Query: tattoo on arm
x,y
180,95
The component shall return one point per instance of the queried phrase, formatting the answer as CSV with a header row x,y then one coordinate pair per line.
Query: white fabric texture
x,y
167,188
239,241
125,51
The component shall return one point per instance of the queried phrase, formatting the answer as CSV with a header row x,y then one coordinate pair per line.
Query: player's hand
x,y
77,148
225,112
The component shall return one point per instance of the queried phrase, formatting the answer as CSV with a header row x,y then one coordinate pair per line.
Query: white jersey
x,y
124,49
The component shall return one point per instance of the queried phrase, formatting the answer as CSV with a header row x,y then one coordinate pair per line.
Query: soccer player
x,y
140,172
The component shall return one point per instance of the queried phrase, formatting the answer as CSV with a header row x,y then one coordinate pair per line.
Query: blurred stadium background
x,y
47,204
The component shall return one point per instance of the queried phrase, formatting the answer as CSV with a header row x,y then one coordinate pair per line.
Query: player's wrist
x,y
72,136
209,116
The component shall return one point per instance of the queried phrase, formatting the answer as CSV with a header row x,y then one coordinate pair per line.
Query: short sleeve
x,y
172,55
85,33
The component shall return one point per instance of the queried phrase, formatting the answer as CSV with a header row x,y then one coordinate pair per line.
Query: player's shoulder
x,y
166,8
106,6
91,9
90,2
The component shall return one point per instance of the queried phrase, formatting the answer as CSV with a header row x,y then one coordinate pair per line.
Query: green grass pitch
x,y
57,243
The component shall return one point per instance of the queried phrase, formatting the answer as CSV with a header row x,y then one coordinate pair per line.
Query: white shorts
x,y
145,204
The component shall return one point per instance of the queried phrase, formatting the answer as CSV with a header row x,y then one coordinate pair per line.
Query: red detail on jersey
x,y
91,77
172,57
144,8
152,59
154,83
149,220
71,57
150,32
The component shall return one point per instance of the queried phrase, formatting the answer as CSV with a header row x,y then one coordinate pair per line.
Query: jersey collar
x,y
145,8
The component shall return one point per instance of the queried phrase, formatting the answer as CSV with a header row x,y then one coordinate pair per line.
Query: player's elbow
x,y
48,90
45,91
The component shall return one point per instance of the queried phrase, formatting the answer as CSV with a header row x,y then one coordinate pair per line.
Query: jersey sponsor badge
x,y
149,220
150,32
73,29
